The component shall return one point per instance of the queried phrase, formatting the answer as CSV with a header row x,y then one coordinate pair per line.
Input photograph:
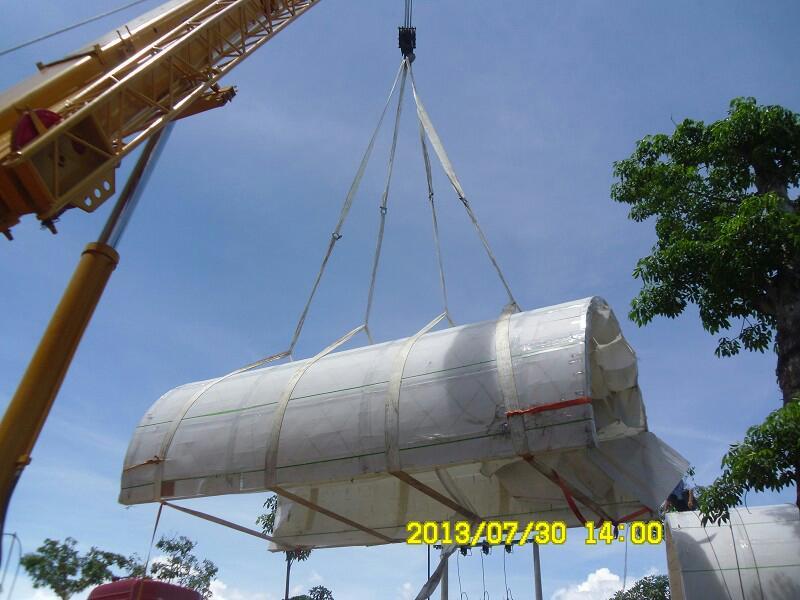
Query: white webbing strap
x,y
385,200
438,147
429,177
271,456
348,203
166,442
392,420
451,487
231,525
505,373
433,581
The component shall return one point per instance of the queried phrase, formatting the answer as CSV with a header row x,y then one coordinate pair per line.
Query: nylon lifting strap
x,y
348,203
271,456
505,374
161,458
392,418
392,426
438,148
385,201
229,524
429,179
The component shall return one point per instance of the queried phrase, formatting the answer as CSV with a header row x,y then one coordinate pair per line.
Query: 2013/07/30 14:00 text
x,y
465,533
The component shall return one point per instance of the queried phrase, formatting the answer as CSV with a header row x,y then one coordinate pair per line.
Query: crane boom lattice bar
x,y
72,162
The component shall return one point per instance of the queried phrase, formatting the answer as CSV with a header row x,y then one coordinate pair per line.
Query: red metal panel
x,y
142,589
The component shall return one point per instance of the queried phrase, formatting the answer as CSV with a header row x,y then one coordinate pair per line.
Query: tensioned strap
x,y
435,495
328,513
161,458
429,179
271,456
392,418
438,147
433,581
348,203
219,521
569,490
505,373
385,200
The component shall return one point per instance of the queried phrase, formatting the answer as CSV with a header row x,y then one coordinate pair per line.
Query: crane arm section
x,y
93,108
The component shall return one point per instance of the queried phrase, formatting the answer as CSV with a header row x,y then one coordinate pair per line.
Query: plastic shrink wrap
x,y
433,427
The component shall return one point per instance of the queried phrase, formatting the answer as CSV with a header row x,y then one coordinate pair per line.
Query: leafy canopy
x,y
767,459
267,523
60,567
728,234
181,566
652,587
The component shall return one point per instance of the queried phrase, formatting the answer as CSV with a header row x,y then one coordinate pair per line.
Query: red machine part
x,y
142,589
25,130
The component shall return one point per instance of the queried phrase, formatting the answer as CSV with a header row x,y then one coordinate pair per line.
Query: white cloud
x,y
222,591
599,585
406,591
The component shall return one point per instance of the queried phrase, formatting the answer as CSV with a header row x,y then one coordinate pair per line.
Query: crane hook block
x,y
407,38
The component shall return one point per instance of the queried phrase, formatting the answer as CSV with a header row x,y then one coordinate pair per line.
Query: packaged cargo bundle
x,y
528,417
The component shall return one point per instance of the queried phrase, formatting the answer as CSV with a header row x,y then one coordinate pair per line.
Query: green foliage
x,y
652,587
182,567
767,459
267,523
318,592
728,234
60,567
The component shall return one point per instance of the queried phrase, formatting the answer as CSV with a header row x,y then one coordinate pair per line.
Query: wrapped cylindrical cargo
x,y
476,397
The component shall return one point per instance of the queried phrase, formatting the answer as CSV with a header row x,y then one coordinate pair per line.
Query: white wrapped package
x,y
754,556
473,420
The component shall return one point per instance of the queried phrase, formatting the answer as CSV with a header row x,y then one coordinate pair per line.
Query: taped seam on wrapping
x,y
271,456
392,418
505,375
550,406
161,458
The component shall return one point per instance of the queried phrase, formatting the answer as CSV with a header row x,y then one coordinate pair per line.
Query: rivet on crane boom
x,y
63,133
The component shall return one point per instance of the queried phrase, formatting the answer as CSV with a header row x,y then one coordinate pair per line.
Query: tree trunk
x,y
288,570
787,338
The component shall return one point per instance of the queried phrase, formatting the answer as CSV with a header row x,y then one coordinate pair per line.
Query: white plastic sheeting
x,y
435,407
756,556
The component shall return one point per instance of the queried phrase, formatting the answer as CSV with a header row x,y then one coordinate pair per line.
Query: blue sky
x,y
534,101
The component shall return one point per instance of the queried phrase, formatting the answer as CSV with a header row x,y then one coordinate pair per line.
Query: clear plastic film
x,y
577,393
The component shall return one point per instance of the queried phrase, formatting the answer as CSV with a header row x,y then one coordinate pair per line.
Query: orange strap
x,y
552,406
633,515
568,497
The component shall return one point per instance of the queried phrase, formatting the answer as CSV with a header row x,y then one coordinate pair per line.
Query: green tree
x,y
729,242
318,592
182,567
652,587
267,523
60,567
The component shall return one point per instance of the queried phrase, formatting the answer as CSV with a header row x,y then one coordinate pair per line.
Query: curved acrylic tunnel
x,y
387,433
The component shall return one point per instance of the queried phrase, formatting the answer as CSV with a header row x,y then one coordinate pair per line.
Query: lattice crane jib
x,y
64,131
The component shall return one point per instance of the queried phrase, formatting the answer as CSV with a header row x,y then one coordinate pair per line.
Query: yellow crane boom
x,y
65,131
